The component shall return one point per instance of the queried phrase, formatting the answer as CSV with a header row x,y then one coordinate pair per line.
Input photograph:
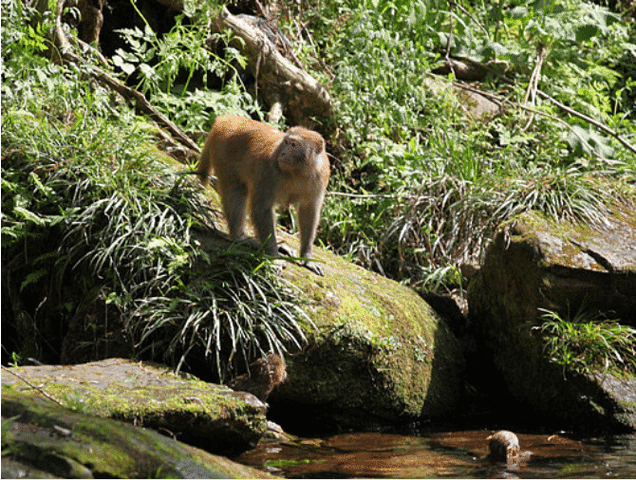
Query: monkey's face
x,y
293,154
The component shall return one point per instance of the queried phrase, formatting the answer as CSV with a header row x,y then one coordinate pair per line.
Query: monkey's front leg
x,y
308,218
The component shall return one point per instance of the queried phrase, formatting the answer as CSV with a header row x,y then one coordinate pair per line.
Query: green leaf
x,y
32,278
127,68
29,216
586,32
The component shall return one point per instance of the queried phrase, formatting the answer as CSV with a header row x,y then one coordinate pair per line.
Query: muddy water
x,y
449,454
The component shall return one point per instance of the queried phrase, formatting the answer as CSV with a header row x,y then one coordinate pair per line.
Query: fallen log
x,y
281,85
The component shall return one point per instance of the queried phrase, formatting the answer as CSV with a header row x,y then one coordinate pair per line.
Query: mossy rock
x,y
379,354
206,415
41,439
532,264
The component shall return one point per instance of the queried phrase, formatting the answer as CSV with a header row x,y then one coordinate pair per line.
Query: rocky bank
x,y
41,439
535,264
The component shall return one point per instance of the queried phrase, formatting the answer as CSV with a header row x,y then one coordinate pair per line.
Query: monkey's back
x,y
240,146
242,151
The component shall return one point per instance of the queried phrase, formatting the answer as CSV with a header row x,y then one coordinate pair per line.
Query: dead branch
x,y
533,84
501,101
279,81
35,387
142,105
475,71
589,120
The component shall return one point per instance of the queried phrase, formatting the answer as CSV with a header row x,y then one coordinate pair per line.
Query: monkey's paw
x,y
314,267
286,250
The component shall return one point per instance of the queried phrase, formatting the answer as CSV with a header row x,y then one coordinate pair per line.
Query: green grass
x,y
585,342
440,183
97,232
90,214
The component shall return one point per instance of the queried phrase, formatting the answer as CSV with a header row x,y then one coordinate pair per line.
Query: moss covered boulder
x,y
534,265
379,355
41,439
205,415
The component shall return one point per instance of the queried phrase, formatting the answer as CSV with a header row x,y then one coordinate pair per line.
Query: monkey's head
x,y
503,445
298,149
277,369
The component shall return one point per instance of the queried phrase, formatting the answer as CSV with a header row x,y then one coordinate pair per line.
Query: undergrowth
x,y
427,184
93,215
435,183
173,68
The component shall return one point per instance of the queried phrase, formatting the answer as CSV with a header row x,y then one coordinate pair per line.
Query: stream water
x,y
456,454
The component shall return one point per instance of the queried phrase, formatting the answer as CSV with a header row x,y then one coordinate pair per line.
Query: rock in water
x,y
535,264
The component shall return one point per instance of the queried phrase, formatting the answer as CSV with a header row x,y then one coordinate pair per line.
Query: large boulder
x,y
205,415
379,355
41,439
534,264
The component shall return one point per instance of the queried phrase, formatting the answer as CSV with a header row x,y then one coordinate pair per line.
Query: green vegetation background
x,y
95,225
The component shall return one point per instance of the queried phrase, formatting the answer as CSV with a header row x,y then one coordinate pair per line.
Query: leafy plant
x,y
428,190
173,69
126,220
229,312
586,342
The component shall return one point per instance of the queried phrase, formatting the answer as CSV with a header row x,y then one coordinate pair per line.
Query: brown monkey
x,y
265,374
259,167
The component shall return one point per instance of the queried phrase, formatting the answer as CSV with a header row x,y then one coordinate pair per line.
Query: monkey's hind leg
x,y
234,201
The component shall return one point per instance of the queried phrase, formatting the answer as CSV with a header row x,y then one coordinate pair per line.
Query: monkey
x,y
503,446
259,168
264,375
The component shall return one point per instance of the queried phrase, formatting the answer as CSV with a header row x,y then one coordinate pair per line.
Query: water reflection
x,y
448,454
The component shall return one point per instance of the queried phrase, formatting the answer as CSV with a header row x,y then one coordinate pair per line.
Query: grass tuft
x,y
95,225
586,342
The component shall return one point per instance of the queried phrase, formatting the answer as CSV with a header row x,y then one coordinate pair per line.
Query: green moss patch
x,y
206,415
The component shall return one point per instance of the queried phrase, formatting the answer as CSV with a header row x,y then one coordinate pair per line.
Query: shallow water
x,y
460,454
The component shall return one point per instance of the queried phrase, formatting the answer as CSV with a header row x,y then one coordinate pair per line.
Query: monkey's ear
x,y
323,145
317,142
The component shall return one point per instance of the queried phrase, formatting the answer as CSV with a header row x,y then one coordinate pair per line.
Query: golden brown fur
x,y
264,375
259,168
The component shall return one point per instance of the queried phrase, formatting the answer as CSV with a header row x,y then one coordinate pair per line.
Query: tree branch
x,y
35,387
301,96
589,120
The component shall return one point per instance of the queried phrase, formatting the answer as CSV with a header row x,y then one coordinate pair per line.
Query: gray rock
x,y
535,264
205,415
41,439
